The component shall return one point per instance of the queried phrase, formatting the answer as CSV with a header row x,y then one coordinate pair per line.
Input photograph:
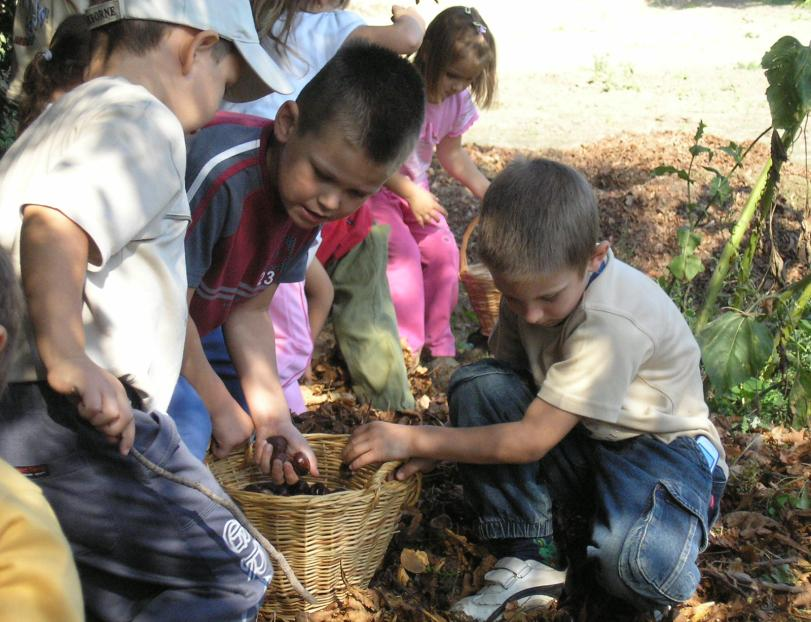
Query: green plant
x,y
755,339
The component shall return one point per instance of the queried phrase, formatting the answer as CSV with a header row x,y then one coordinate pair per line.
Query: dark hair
x,y
538,217
267,12
455,32
10,312
375,96
59,68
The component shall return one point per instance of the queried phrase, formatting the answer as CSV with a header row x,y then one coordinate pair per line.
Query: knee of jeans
x,y
472,383
658,558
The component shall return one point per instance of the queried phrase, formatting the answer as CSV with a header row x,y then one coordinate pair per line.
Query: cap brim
x,y
261,75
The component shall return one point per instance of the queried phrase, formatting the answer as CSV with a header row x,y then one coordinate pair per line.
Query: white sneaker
x,y
509,576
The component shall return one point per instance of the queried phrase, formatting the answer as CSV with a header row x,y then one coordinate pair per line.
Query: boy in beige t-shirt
x,y
593,406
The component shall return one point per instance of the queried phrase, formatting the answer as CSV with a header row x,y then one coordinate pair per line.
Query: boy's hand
x,y
414,466
231,427
102,399
282,472
377,442
425,207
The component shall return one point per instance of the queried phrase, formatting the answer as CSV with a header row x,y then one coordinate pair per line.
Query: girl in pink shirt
x,y
457,58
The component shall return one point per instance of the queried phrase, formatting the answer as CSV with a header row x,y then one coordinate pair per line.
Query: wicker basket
x,y
333,541
478,282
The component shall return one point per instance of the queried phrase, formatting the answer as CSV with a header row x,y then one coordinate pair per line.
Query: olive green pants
x,y
366,327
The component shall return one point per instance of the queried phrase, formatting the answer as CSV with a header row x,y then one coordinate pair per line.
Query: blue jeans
x,y
187,408
649,505
147,549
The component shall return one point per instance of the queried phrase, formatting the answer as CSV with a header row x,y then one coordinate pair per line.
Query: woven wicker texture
x,y
478,282
333,541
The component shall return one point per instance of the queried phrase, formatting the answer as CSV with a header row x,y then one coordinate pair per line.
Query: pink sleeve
x,y
465,113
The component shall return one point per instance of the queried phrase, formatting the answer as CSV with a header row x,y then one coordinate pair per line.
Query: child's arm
x,y
519,442
319,291
424,205
403,36
251,343
231,426
54,255
456,161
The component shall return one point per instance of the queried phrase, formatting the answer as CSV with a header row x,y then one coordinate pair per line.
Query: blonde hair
x,y
538,217
455,32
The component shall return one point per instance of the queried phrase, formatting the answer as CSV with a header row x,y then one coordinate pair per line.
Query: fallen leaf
x,y
803,599
701,611
416,562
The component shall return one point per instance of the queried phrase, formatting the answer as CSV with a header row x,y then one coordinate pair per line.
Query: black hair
x,y
375,96
10,312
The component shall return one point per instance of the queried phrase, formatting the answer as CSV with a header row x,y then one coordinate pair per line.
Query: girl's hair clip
x,y
480,27
467,10
47,55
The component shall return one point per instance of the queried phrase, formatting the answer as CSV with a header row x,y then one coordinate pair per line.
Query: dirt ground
x,y
573,73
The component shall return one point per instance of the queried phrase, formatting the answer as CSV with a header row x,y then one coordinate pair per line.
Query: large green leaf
x,y
788,71
734,347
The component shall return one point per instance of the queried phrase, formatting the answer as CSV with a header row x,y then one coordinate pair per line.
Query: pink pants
x,y
423,273
294,342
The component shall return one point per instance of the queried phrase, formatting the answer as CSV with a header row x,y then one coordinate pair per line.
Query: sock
x,y
541,549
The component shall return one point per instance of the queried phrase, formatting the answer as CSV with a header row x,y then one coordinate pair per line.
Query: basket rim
x,y
377,480
463,264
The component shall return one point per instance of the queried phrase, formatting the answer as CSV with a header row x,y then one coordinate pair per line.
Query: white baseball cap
x,y
231,19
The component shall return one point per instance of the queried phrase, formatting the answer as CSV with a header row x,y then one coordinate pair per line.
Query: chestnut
x,y
301,465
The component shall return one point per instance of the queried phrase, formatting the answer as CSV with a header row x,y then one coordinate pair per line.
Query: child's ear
x,y
286,122
202,42
598,256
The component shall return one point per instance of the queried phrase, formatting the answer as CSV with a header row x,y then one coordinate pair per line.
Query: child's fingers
x,y
353,447
289,473
414,466
438,207
312,459
277,471
406,471
262,454
218,450
127,438
362,460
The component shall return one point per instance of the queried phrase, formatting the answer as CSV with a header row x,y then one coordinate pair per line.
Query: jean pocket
x,y
658,559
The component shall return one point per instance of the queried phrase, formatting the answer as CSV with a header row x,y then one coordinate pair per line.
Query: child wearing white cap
x,y
93,211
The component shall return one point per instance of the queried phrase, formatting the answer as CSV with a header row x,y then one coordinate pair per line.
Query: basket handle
x,y
465,240
381,477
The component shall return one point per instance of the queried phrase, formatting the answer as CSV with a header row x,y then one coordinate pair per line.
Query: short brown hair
x,y
538,217
10,312
452,33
